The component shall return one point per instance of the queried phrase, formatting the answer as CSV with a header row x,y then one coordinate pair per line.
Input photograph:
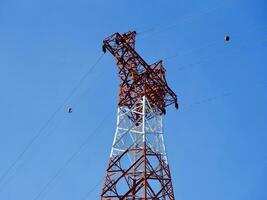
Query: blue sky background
x,y
216,142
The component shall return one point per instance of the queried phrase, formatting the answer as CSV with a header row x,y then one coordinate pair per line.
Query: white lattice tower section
x,y
138,159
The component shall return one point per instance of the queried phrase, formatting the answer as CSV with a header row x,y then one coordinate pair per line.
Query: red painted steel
x,y
138,79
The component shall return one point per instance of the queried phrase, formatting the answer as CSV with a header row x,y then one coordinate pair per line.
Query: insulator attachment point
x,y
176,105
104,49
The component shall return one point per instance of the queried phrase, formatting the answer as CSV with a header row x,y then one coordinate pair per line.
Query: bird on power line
x,y
69,109
226,38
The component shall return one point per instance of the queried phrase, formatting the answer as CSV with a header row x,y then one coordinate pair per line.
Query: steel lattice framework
x,y
138,167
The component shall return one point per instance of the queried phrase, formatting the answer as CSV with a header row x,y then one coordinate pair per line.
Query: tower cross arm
x,y
146,79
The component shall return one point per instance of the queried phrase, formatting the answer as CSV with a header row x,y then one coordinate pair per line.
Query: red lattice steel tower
x,y
138,167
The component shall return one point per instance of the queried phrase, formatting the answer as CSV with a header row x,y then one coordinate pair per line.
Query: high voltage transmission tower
x,y
138,166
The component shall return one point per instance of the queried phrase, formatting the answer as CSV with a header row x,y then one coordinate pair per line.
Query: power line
x,y
199,102
157,28
82,146
185,18
92,189
53,116
192,50
210,99
60,107
19,166
205,46
40,132
71,158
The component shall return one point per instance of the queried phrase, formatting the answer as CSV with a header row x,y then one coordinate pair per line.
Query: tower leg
x,y
138,166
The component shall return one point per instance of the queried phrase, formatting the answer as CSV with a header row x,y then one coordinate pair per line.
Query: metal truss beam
x,y
138,167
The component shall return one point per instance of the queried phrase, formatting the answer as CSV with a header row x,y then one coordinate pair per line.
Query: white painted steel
x,y
129,135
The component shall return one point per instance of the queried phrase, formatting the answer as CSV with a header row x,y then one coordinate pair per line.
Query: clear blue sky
x,y
216,142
